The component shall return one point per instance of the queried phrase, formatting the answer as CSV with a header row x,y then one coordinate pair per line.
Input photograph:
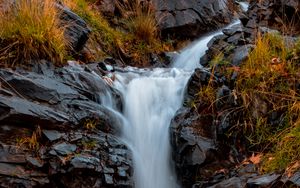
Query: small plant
x,y
90,124
27,32
89,144
31,142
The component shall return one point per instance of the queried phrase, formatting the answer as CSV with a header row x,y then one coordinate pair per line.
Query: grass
x,y
267,94
31,142
29,27
267,85
27,30
135,38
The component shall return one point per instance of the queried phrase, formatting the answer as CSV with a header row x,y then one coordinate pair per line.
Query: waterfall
x,y
151,99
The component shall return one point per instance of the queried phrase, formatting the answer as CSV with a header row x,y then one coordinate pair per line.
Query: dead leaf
x,y
255,159
291,169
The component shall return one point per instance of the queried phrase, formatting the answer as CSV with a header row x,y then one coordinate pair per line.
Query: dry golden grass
x,y
31,30
270,76
31,142
141,19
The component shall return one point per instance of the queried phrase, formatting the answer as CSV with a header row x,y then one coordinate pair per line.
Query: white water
x,y
151,100
244,6
152,97
189,57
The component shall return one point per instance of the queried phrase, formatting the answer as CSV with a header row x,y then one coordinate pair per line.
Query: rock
x,y
108,179
16,110
77,31
263,181
233,182
274,14
86,162
52,135
189,19
60,101
10,154
34,162
193,142
197,80
64,148
107,7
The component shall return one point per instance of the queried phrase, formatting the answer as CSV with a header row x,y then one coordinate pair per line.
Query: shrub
x,y
30,30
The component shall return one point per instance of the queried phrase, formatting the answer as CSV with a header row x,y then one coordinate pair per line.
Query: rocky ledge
x,y
56,132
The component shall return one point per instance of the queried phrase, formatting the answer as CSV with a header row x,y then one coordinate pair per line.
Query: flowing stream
x,y
151,99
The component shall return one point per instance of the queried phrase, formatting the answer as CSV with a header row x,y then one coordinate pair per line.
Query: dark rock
x,y
86,162
64,148
193,141
34,162
199,78
10,154
263,181
52,135
295,179
108,179
241,54
192,18
17,110
234,182
77,31
107,7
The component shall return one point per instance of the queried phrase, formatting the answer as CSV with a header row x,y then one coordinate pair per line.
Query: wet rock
x,y
64,148
122,171
192,18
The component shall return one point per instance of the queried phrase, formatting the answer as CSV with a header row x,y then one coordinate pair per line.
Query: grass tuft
x,y
27,32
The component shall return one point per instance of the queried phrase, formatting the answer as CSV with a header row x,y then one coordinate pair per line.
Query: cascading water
x,y
151,99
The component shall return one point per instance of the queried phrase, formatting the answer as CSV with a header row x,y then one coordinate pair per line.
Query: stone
x,y
77,31
16,110
108,179
263,181
52,135
64,148
85,162
191,18
34,162
233,182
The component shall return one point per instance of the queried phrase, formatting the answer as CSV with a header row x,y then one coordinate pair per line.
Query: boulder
x,y
193,139
77,31
191,18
